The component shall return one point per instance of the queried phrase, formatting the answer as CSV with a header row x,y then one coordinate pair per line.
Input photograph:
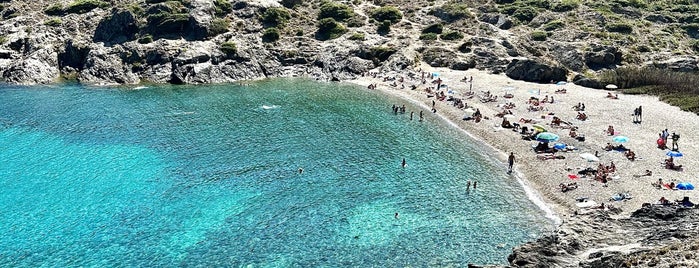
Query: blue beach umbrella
x,y
561,83
546,137
559,146
685,186
620,139
674,154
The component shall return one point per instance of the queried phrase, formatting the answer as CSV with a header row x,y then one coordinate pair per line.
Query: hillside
x,y
205,41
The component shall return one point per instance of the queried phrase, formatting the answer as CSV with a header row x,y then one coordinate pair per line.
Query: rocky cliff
x,y
217,41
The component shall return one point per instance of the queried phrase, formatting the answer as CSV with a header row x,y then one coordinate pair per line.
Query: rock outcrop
x,y
533,71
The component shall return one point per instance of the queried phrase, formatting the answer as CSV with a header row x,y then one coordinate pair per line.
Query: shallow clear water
x,y
207,176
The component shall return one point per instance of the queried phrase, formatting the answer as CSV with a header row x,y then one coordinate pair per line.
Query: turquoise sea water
x,y
207,176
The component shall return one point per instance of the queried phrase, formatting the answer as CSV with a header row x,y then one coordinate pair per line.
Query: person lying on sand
x,y
609,147
648,173
614,97
670,164
581,116
630,155
549,156
610,130
568,187
572,133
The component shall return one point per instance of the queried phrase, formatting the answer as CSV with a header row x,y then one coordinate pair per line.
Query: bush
x,y
429,36
620,28
339,12
276,16
53,22
84,6
553,25
695,45
387,13
54,10
452,12
218,26
384,27
565,5
357,36
539,36
270,35
145,39
525,14
222,7
291,3
328,28
228,48
454,35
434,28
465,47
382,53
355,21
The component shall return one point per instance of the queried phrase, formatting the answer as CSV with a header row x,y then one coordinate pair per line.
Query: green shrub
x,y
565,5
53,22
270,35
357,36
276,16
539,36
3,39
384,27
452,12
453,35
553,25
429,36
84,6
339,12
620,28
54,10
695,45
145,39
382,53
218,26
387,13
525,14
434,28
328,28
228,48
222,7
355,21
291,3
465,47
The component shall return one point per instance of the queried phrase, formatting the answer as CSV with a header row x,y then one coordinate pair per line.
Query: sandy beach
x,y
546,176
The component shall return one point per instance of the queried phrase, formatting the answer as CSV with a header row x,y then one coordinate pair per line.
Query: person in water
x,y
300,170
510,161
403,164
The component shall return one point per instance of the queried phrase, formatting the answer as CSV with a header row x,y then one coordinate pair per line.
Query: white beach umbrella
x,y
611,86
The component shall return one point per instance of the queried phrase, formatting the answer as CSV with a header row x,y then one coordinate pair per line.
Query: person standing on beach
x,y
640,114
675,138
510,162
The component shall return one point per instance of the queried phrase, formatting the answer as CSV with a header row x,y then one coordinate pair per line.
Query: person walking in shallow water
x,y
403,164
510,162
421,116
411,116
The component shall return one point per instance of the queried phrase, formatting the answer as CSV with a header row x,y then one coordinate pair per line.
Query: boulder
x,y
498,20
587,82
681,64
568,56
119,27
438,56
39,68
105,68
600,57
533,71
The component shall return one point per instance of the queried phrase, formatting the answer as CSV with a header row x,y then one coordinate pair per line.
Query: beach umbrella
x,y
546,137
539,128
674,154
559,146
685,186
589,157
620,139
561,83
611,86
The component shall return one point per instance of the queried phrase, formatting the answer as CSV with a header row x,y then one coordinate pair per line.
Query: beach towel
x,y
586,204
573,176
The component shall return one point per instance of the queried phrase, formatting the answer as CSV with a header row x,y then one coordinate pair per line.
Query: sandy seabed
x,y
546,176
